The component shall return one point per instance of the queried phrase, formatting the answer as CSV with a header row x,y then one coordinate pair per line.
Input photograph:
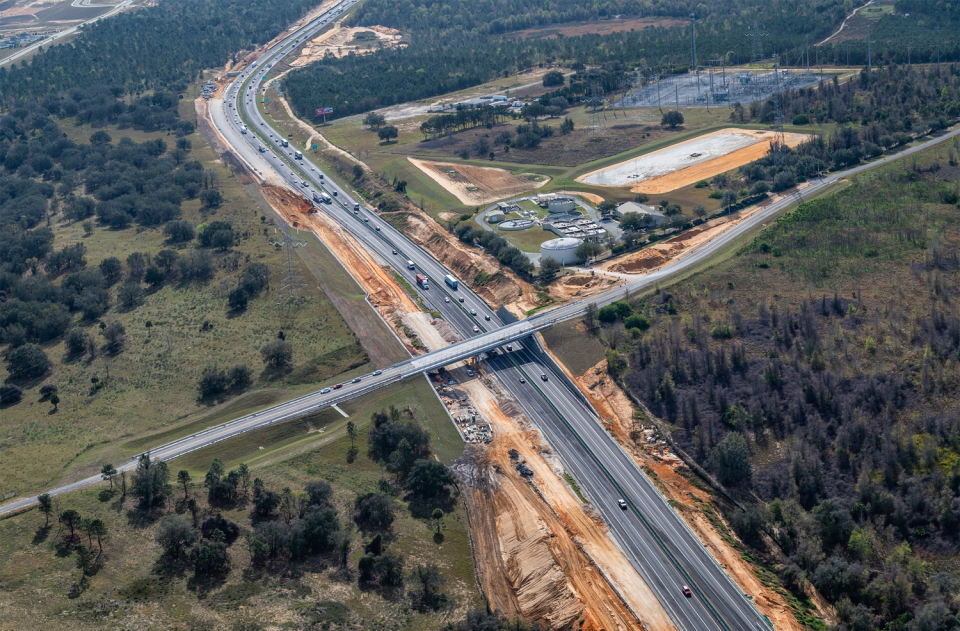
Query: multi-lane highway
x,y
657,542
653,537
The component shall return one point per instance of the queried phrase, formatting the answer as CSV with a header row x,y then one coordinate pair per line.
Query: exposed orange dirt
x,y
544,556
706,170
503,286
337,42
669,250
600,28
476,185
611,402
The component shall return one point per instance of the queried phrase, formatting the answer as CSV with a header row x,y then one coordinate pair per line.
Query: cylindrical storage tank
x,y
561,205
563,250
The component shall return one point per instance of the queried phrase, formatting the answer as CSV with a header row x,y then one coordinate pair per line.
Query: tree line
x,y
861,495
160,47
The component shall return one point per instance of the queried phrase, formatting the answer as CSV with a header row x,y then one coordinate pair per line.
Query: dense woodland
x,y
879,112
164,46
457,50
830,413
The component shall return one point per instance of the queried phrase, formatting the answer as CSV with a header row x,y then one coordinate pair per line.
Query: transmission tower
x,y
757,52
293,283
778,145
598,117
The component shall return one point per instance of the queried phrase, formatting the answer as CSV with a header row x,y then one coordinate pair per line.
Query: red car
x,y
686,591
338,386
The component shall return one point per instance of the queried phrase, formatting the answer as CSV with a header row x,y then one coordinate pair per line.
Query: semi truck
x,y
298,155
262,149
423,281
327,200
317,198
284,143
450,280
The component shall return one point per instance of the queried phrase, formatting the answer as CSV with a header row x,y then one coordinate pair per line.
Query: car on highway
x,y
325,391
473,312
686,592
446,299
460,298
522,380
394,251
338,386
486,317
366,220
543,376
476,329
622,504
379,372
377,228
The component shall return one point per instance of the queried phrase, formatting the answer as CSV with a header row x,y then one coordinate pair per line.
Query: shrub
x,y
637,321
10,393
553,78
801,119
27,362
701,184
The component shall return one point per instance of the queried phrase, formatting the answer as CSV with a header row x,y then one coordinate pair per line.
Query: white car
x,y
476,329
325,391
622,504
473,312
446,299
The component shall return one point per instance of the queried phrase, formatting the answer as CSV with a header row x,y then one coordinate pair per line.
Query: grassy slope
x,y
151,385
129,591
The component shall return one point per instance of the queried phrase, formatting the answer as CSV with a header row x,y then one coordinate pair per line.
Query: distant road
x,y
70,31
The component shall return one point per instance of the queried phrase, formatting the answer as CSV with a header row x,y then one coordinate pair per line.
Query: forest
x,y
453,54
879,112
815,375
160,47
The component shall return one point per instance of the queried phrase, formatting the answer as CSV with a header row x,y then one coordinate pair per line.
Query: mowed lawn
x,y
150,388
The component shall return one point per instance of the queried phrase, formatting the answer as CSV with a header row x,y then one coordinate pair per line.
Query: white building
x,y
633,207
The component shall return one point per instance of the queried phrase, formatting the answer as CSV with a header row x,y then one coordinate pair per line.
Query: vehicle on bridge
x,y
450,280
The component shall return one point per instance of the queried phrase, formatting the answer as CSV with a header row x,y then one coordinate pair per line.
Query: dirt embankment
x,y
541,553
661,253
611,402
505,288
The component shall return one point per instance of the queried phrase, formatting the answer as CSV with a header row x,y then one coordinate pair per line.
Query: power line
x,y
293,285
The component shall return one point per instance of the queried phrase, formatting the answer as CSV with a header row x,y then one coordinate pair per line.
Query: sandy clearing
x,y
565,536
335,42
474,185
687,162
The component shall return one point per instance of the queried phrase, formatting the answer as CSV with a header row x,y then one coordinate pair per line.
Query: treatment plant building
x,y
563,250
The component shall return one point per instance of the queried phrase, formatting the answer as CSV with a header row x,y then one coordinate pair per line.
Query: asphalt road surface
x,y
653,537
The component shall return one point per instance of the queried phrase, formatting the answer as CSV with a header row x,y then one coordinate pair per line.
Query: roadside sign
x,y
266,100
314,145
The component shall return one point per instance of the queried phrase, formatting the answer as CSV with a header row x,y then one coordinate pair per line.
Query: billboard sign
x,y
324,110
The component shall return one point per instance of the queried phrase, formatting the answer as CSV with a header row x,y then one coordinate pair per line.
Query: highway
x,y
653,537
651,534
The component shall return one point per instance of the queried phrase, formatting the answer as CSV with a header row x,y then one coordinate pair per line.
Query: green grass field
x,y
151,387
130,590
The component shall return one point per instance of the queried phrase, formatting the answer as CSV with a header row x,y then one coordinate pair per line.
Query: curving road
x,y
653,537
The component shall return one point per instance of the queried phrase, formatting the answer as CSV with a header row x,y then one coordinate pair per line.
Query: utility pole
x,y
693,43
676,95
909,65
869,52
